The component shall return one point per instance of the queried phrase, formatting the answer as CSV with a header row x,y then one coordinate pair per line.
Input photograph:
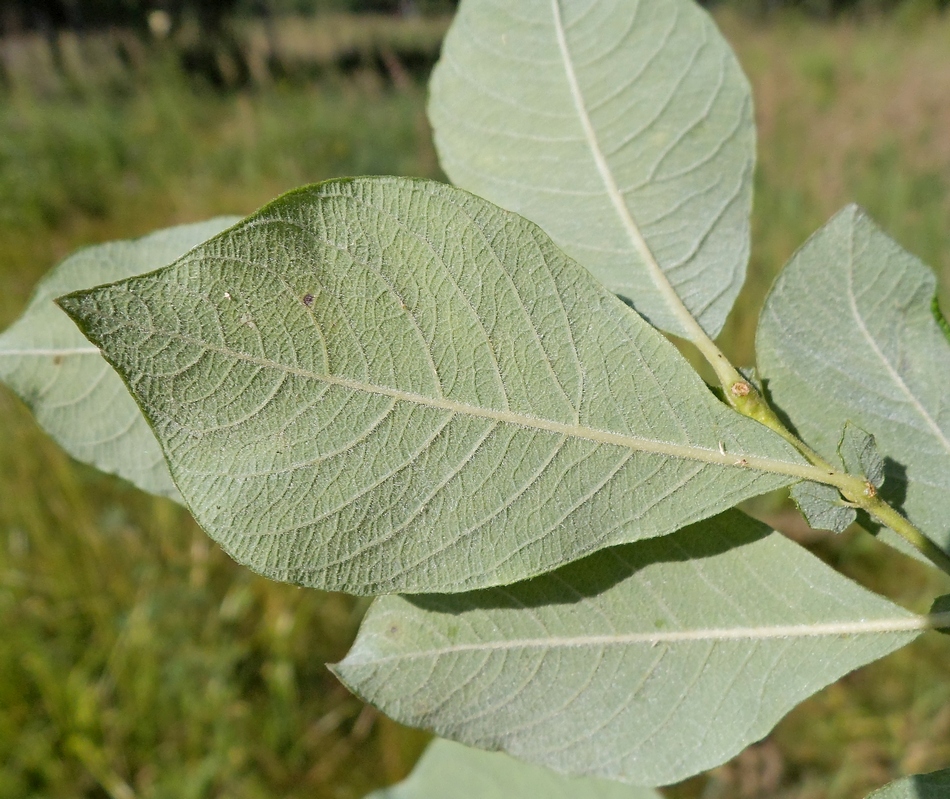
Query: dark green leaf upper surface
x,y
74,394
941,605
935,785
624,129
392,385
449,770
847,335
645,663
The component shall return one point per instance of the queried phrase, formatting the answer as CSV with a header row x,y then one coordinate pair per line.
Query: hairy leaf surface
x,y
860,456
935,785
847,335
388,385
822,507
450,770
644,663
624,129
74,394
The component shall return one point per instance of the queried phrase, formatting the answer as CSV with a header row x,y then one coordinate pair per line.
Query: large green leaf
x,y
74,394
388,385
935,785
624,129
847,335
451,771
644,663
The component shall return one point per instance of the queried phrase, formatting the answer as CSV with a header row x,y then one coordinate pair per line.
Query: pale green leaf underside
x,y
387,385
74,394
822,507
449,770
847,335
644,663
624,129
935,785
860,456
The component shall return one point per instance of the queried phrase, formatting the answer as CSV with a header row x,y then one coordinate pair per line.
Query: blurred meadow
x,y
136,660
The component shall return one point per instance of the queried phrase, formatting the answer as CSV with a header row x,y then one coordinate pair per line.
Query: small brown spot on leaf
x,y
57,360
308,300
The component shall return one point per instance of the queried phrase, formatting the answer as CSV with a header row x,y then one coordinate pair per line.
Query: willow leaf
x,y
624,129
387,385
935,785
847,335
860,456
74,394
449,770
644,663
822,507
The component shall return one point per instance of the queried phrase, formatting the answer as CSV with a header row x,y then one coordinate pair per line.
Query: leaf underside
x,y
645,663
847,335
860,456
624,130
72,391
449,769
822,507
385,385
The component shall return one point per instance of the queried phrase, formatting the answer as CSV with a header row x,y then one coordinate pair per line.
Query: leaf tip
x,y
72,303
339,670
82,307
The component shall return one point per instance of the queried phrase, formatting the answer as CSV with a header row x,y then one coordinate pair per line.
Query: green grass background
x,y
136,660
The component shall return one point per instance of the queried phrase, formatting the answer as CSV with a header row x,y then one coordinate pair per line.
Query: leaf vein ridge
x,y
897,624
888,366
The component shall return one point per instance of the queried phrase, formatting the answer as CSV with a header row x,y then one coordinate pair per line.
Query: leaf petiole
x,y
858,493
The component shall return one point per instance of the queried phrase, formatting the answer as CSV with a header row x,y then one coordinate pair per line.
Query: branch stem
x,y
889,517
747,400
739,392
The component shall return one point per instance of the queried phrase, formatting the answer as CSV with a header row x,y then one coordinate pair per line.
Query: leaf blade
x,y
646,663
474,774
472,406
859,454
648,182
879,360
73,393
822,507
934,785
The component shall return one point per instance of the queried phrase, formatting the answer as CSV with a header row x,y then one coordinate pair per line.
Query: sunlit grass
x,y
137,660
80,169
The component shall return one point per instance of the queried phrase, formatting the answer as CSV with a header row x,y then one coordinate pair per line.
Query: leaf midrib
x,y
873,345
600,158
672,298
53,351
719,457
827,629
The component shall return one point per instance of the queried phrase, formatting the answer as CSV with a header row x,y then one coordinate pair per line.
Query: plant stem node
x,y
740,388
